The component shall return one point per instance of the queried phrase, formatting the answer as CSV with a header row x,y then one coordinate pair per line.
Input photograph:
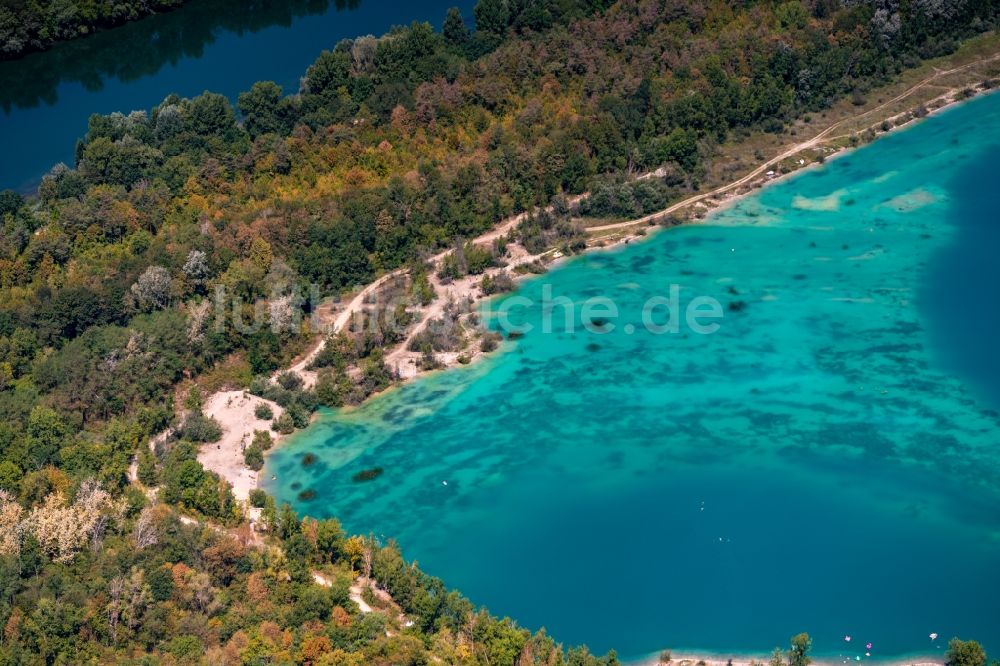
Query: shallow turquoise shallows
x,y
827,461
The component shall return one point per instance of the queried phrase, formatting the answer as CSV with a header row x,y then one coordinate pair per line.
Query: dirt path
x,y
355,593
794,150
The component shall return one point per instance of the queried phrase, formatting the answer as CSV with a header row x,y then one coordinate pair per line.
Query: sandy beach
x,y
234,410
694,659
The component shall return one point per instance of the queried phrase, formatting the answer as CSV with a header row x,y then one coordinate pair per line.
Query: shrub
x,y
253,457
263,411
258,498
200,428
298,414
262,439
428,361
490,341
283,424
331,387
290,381
185,648
497,284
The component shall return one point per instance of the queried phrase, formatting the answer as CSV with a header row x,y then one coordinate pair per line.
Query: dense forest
x,y
394,147
37,24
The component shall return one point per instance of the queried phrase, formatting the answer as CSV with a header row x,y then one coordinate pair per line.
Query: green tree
x,y
798,653
253,457
10,476
455,32
330,538
11,201
332,385
331,70
492,16
210,114
146,467
261,109
47,432
965,653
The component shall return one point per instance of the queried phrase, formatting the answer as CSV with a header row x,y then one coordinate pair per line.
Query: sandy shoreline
x,y
741,659
234,409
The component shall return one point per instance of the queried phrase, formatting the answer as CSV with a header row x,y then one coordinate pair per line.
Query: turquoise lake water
x,y
218,45
827,461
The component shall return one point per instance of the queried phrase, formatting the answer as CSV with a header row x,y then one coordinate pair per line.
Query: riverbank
x,y
231,412
716,659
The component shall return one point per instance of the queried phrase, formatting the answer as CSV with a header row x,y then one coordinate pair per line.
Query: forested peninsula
x,y
37,25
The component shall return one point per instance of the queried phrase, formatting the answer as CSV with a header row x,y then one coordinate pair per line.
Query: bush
x,y
262,439
263,411
253,457
283,424
200,428
331,387
185,647
290,381
298,414
497,284
490,341
258,498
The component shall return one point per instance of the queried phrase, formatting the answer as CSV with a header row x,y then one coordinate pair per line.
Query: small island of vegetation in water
x,y
368,474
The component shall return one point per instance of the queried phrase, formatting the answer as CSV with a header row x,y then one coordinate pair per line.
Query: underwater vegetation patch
x,y
307,494
368,474
308,460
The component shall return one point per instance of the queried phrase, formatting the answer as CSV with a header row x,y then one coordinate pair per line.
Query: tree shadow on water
x,y
142,48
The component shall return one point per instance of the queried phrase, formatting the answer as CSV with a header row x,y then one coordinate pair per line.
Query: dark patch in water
x,y
799,276
308,460
640,263
737,306
307,495
593,346
368,474
296,485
